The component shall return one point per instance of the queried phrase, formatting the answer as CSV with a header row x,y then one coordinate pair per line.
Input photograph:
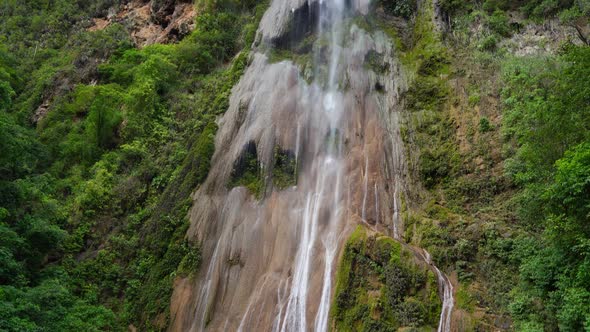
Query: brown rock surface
x,y
152,22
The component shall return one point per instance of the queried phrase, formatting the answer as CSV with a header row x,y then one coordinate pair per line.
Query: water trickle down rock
x,y
268,263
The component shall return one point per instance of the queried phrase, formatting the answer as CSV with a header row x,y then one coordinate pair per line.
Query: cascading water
x,y
269,263
324,196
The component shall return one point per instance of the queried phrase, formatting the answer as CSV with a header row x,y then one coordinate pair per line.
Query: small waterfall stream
x,y
269,263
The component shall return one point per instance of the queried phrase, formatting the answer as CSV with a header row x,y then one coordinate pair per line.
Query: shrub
x,y
433,64
397,281
401,8
426,93
484,125
474,99
436,165
411,313
380,288
191,261
542,8
488,43
498,23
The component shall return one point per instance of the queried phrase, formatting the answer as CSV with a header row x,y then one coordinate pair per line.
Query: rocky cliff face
x,y
150,22
325,92
364,103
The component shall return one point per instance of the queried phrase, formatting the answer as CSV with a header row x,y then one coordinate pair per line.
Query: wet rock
x,y
304,22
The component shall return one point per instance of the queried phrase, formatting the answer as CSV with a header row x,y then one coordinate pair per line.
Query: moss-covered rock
x,y
380,287
375,62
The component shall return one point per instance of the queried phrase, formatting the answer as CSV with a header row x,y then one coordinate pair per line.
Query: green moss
x,y
430,129
380,288
278,54
426,41
434,305
433,135
358,236
375,62
300,53
464,299
427,93
363,22
434,64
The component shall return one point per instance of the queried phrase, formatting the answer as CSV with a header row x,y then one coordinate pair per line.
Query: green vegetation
x,y
102,144
537,9
551,164
401,8
284,172
492,211
485,125
487,212
380,288
499,19
247,172
430,127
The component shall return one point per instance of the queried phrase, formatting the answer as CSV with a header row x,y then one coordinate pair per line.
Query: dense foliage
x,y
537,9
101,145
549,124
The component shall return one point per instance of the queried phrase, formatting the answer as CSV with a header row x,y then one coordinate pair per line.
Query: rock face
x,y
149,22
540,39
270,256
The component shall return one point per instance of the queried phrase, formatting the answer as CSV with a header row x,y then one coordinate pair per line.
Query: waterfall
x,y
327,166
287,241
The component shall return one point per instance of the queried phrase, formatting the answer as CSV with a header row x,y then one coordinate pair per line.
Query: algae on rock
x,y
380,286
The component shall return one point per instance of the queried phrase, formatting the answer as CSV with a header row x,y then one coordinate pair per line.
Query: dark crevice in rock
x,y
246,171
284,172
243,164
304,22
161,10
